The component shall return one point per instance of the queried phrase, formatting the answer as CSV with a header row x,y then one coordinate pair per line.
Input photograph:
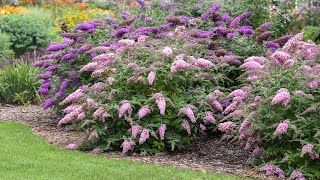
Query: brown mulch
x,y
42,122
205,154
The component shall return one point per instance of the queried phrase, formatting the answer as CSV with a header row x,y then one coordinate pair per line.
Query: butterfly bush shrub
x,y
279,113
148,88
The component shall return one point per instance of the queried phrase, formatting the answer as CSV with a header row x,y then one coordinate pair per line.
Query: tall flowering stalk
x,y
282,97
188,112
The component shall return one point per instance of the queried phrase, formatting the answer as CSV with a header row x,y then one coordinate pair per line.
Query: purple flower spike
x,y
44,76
235,23
272,45
121,32
125,15
85,47
244,15
64,85
247,21
60,94
109,20
148,19
246,30
236,62
231,35
43,91
57,47
226,18
69,56
52,68
165,26
221,31
48,103
91,30
84,26
214,9
41,63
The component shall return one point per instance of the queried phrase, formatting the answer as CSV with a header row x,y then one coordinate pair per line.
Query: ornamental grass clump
x,y
280,110
18,84
147,88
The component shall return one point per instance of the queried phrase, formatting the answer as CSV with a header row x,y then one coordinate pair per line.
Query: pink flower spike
x,y
98,86
188,112
307,149
202,127
289,63
226,127
257,152
81,116
157,96
127,145
218,93
296,175
135,130
70,108
167,52
232,107
237,93
72,97
282,96
251,65
110,80
272,170
143,111
260,60
100,114
162,131
89,67
215,104
186,126
280,57
305,68
204,64
161,103
245,124
72,147
71,116
144,136
209,118
125,107
180,65
151,77
282,128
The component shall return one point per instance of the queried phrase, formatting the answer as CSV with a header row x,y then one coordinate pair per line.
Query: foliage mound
x,y
157,82
21,28
278,116
312,33
5,51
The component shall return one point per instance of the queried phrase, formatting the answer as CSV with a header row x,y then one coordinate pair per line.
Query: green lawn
x,y
23,155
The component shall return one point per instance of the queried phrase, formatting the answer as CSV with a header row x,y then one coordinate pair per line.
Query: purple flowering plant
x,y
150,86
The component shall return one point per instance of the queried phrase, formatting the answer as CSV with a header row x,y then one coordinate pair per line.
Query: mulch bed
x,y
205,154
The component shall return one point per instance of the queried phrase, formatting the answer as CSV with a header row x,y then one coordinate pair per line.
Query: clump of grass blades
x,y
18,83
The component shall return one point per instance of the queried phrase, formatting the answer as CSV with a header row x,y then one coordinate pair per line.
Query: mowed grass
x,y
24,155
